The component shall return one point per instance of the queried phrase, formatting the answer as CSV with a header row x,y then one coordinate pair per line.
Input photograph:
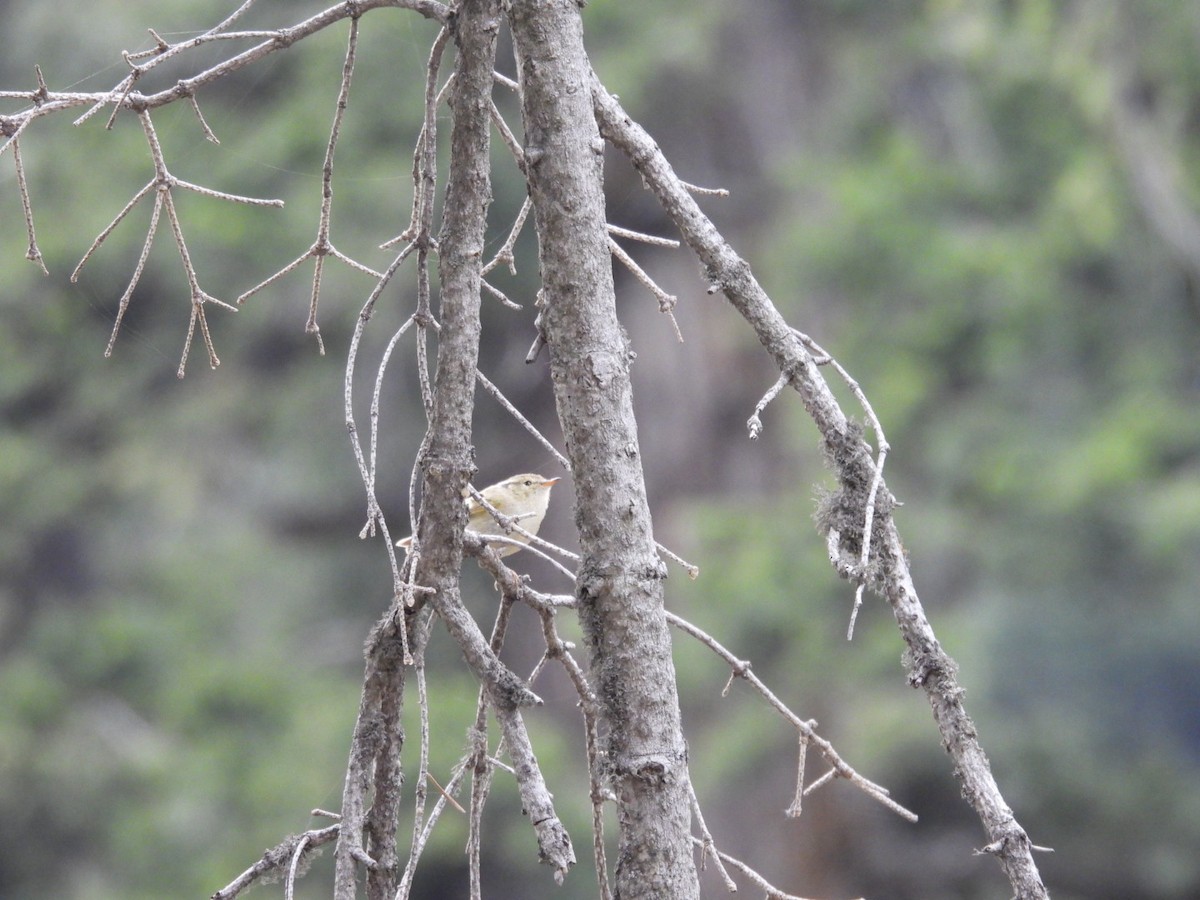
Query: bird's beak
x,y
550,481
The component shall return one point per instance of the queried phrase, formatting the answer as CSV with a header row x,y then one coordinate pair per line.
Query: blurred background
x,y
989,212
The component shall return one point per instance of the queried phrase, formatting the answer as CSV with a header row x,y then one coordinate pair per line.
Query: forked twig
x,y
162,185
772,892
805,728
666,302
505,253
707,845
323,246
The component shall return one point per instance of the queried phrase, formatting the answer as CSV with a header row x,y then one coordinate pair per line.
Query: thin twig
x,y
707,845
490,288
123,303
754,423
525,423
289,885
505,253
654,240
506,135
209,135
478,760
446,798
323,246
772,892
666,302
425,153
794,810
704,191
445,793
33,254
804,727
692,570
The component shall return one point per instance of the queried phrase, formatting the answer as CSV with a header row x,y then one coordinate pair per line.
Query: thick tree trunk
x,y
620,585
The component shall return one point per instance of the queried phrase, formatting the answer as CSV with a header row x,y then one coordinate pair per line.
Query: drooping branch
x,y
929,666
124,97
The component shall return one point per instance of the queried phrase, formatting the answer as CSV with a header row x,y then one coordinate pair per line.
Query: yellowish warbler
x,y
523,498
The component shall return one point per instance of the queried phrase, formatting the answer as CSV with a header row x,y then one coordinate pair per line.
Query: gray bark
x,y
620,581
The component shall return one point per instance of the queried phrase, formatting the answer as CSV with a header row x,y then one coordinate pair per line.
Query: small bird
x,y
523,498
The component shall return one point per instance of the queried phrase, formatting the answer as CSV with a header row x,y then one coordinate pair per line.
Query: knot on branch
x,y
509,692
386,645
932,666
652,768
42,94
1012,842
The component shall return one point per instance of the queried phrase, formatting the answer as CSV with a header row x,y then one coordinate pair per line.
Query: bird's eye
x,y
528,482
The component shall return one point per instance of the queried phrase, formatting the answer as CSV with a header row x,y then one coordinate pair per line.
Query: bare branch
x,y
621,576
103,235
666,302
707,844
704,191
653,240
510,140
323,246
754,423
208,132
793,811
554,844
499,294
505,253
692,570
163,183
424,169
525,423
857,574
287,855
419,790
806,728
929,666
772,892
122,96
514,589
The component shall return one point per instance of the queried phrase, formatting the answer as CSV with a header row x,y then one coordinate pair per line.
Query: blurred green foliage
x,y
948,196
